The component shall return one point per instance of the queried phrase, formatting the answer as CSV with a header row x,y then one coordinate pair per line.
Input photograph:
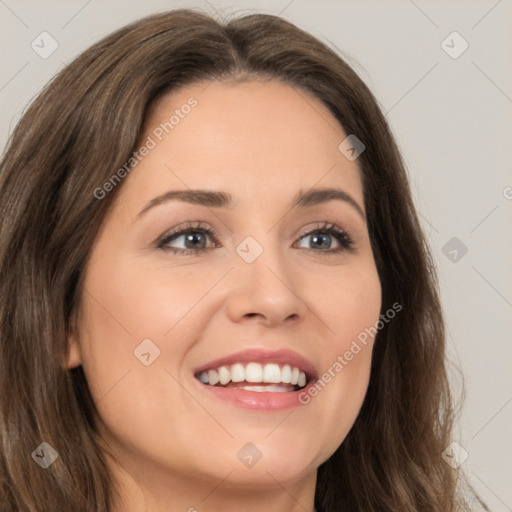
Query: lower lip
x,y
270,401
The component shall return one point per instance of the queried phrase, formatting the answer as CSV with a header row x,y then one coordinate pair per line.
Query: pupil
x,y
192,238
323,238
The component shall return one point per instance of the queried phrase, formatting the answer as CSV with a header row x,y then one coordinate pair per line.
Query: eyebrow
x,y
217,199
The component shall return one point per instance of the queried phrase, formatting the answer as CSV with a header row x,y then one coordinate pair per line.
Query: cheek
x,y
125,304
349,304
350,309
120,315
144,300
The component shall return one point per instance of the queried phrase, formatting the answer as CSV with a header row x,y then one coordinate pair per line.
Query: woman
x,y
251,368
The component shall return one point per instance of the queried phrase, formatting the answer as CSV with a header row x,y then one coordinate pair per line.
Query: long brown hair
x,y
84,126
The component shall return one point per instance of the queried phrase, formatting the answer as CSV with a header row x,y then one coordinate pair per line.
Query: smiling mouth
x,y
270,377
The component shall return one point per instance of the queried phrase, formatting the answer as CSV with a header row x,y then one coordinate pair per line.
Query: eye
x,y
195,239
323,235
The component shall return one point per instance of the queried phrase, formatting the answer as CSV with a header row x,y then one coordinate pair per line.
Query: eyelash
x,y
343,238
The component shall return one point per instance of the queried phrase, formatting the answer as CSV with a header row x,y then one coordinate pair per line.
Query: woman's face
x,y
184,288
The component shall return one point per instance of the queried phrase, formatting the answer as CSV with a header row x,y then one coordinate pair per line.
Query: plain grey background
x,y
452,117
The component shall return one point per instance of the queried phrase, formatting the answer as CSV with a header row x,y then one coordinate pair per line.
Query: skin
x,y
176,446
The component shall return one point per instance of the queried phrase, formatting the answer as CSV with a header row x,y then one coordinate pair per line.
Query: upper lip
x,y
262,356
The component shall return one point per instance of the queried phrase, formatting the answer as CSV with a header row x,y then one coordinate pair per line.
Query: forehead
x,y
249,138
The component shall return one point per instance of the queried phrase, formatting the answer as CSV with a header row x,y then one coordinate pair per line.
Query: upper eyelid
x,y
319,225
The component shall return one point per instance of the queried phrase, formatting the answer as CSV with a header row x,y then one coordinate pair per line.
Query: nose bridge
x,y
264,255
264,283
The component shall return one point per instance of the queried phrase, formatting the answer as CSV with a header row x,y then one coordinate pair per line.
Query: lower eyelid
x,y
344,239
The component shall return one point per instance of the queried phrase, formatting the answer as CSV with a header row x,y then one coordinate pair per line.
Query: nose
x,y
265,292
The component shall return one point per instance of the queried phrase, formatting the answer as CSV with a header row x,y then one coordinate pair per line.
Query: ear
x,y
74,357
74,354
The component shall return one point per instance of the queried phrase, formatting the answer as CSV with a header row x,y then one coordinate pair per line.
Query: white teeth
x,y
224,375
269,374
254,372
237,373
213,377
295,376
272,373
286,374
262,389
